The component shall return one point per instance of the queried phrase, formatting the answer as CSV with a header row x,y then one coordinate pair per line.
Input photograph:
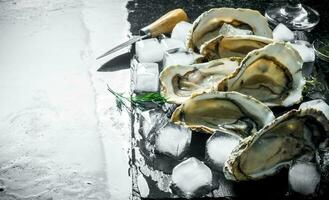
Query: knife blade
x,y
164,24
123,45
117,63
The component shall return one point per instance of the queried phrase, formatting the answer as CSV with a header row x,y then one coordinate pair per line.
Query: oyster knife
x,y
164,24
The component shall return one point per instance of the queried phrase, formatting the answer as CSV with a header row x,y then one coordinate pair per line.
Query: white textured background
x,y
60,135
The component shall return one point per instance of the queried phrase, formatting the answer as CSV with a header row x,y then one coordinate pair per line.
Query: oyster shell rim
x,y
262,19
246,143
202,128
168,91
204,46
298,85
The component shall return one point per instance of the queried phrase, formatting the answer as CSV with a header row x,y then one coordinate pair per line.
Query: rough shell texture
x,y
207,25
318,104
272,74
277,144
178,82
238,113
234,45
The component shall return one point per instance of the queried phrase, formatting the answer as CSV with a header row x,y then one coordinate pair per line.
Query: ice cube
x,y
178,58
149,51
219,147
181,31
172,45
228,29
191,177
147,77
173,140
281,32
318,104
304,177
305,50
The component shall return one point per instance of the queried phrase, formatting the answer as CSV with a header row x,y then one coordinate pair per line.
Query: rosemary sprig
x,y
313,85
154,97
138,101
120,100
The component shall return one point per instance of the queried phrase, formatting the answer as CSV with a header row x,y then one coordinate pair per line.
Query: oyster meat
x,y
206,112
207,26
272,74
233,45
178,82
289,137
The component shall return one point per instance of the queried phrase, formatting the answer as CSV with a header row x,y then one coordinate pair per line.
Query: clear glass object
x,y
294,15
321,48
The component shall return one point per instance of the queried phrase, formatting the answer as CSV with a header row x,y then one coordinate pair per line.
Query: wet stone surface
x,y
143,12
156,169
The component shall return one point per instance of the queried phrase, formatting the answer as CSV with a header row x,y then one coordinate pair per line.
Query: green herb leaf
x,y
137,101
120,100
154,97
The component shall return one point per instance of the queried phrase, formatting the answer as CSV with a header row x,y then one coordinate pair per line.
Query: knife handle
x,y
166,23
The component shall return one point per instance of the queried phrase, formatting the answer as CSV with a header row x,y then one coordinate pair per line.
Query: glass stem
x,y
294,6
293,3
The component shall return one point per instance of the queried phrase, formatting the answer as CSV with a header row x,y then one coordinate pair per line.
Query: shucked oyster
x,y
207,26
205,112
272,74
179,82
288,137
234,45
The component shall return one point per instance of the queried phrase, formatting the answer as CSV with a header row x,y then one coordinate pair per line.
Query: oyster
x,y
318,104
234,45
233,111
273,147
272,74
179,82
207,26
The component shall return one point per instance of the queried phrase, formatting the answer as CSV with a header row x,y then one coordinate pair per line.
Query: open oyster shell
x,y
178,82
233,111
273,147
233,45
207,25
272,74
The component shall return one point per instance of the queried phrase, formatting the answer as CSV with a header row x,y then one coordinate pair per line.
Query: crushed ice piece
x,y
305,50
169,108
281,32
322,159
172,45
304,178
300,35
152,121
147,77
173,140
219,147
143,187
228,29
181,30
149,51
224,187
318,104
191,177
